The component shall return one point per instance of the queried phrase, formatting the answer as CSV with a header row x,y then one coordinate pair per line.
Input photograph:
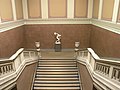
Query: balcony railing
x,y
104,71
11,68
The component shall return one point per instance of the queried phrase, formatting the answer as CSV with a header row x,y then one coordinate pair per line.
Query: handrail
x,y
11,68
104,71
100,59
13,56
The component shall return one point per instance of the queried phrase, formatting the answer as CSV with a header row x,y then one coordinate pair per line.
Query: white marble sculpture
x,y
58,37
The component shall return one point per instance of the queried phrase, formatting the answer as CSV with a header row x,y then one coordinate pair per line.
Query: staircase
x,y
57,74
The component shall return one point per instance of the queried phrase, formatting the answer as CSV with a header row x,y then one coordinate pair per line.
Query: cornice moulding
x,y
10,25
108,25
58,21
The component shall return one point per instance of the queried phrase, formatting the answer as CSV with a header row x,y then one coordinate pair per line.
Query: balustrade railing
x,y
15,63
116,74
6,68
109,69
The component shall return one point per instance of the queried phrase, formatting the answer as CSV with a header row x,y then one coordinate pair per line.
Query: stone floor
x,y
57,55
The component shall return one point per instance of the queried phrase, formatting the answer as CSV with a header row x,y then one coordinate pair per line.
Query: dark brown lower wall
x,y
86,80
105,43
25,80
11,41
45,34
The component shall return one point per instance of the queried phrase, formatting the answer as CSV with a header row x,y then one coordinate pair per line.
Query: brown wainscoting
x,y
104,42
24,82
44,34
86,80
11,41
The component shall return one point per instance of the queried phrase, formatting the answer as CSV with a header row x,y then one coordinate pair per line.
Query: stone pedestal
x,y
57,47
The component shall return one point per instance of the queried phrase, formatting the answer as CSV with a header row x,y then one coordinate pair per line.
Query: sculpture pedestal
x,y
57,47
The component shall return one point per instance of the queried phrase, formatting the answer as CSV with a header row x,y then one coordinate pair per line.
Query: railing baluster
x,y
119,76
14,62
0,71
7,67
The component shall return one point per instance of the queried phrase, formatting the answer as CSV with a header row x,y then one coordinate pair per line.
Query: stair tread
x,y
58,65
57,88
56,79
59,84
57,74
42,67
55,60
67,70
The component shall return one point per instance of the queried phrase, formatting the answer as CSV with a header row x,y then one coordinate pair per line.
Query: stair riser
x,y
57,75
57,79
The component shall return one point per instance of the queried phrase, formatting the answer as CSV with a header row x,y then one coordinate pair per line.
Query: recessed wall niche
x,y
80,8
34,8
6,12
107,9
57,8
19,9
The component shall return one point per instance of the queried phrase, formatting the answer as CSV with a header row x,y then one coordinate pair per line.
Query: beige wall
x,y
19,9
107,11
95,8
81,8
6,10
34,8
57,8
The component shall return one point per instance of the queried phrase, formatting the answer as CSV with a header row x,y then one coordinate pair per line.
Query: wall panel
x,y
34,8
81,8
107,10
19,9
95,8
57,8
6,10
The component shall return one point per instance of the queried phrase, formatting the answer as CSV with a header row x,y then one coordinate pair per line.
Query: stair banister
x,y
11,68
106,71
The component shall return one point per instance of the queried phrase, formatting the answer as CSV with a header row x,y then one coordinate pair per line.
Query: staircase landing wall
x,y
11,41
105,43
24,82
86,80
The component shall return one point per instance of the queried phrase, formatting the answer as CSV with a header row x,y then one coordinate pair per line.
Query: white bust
x,y
58,38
